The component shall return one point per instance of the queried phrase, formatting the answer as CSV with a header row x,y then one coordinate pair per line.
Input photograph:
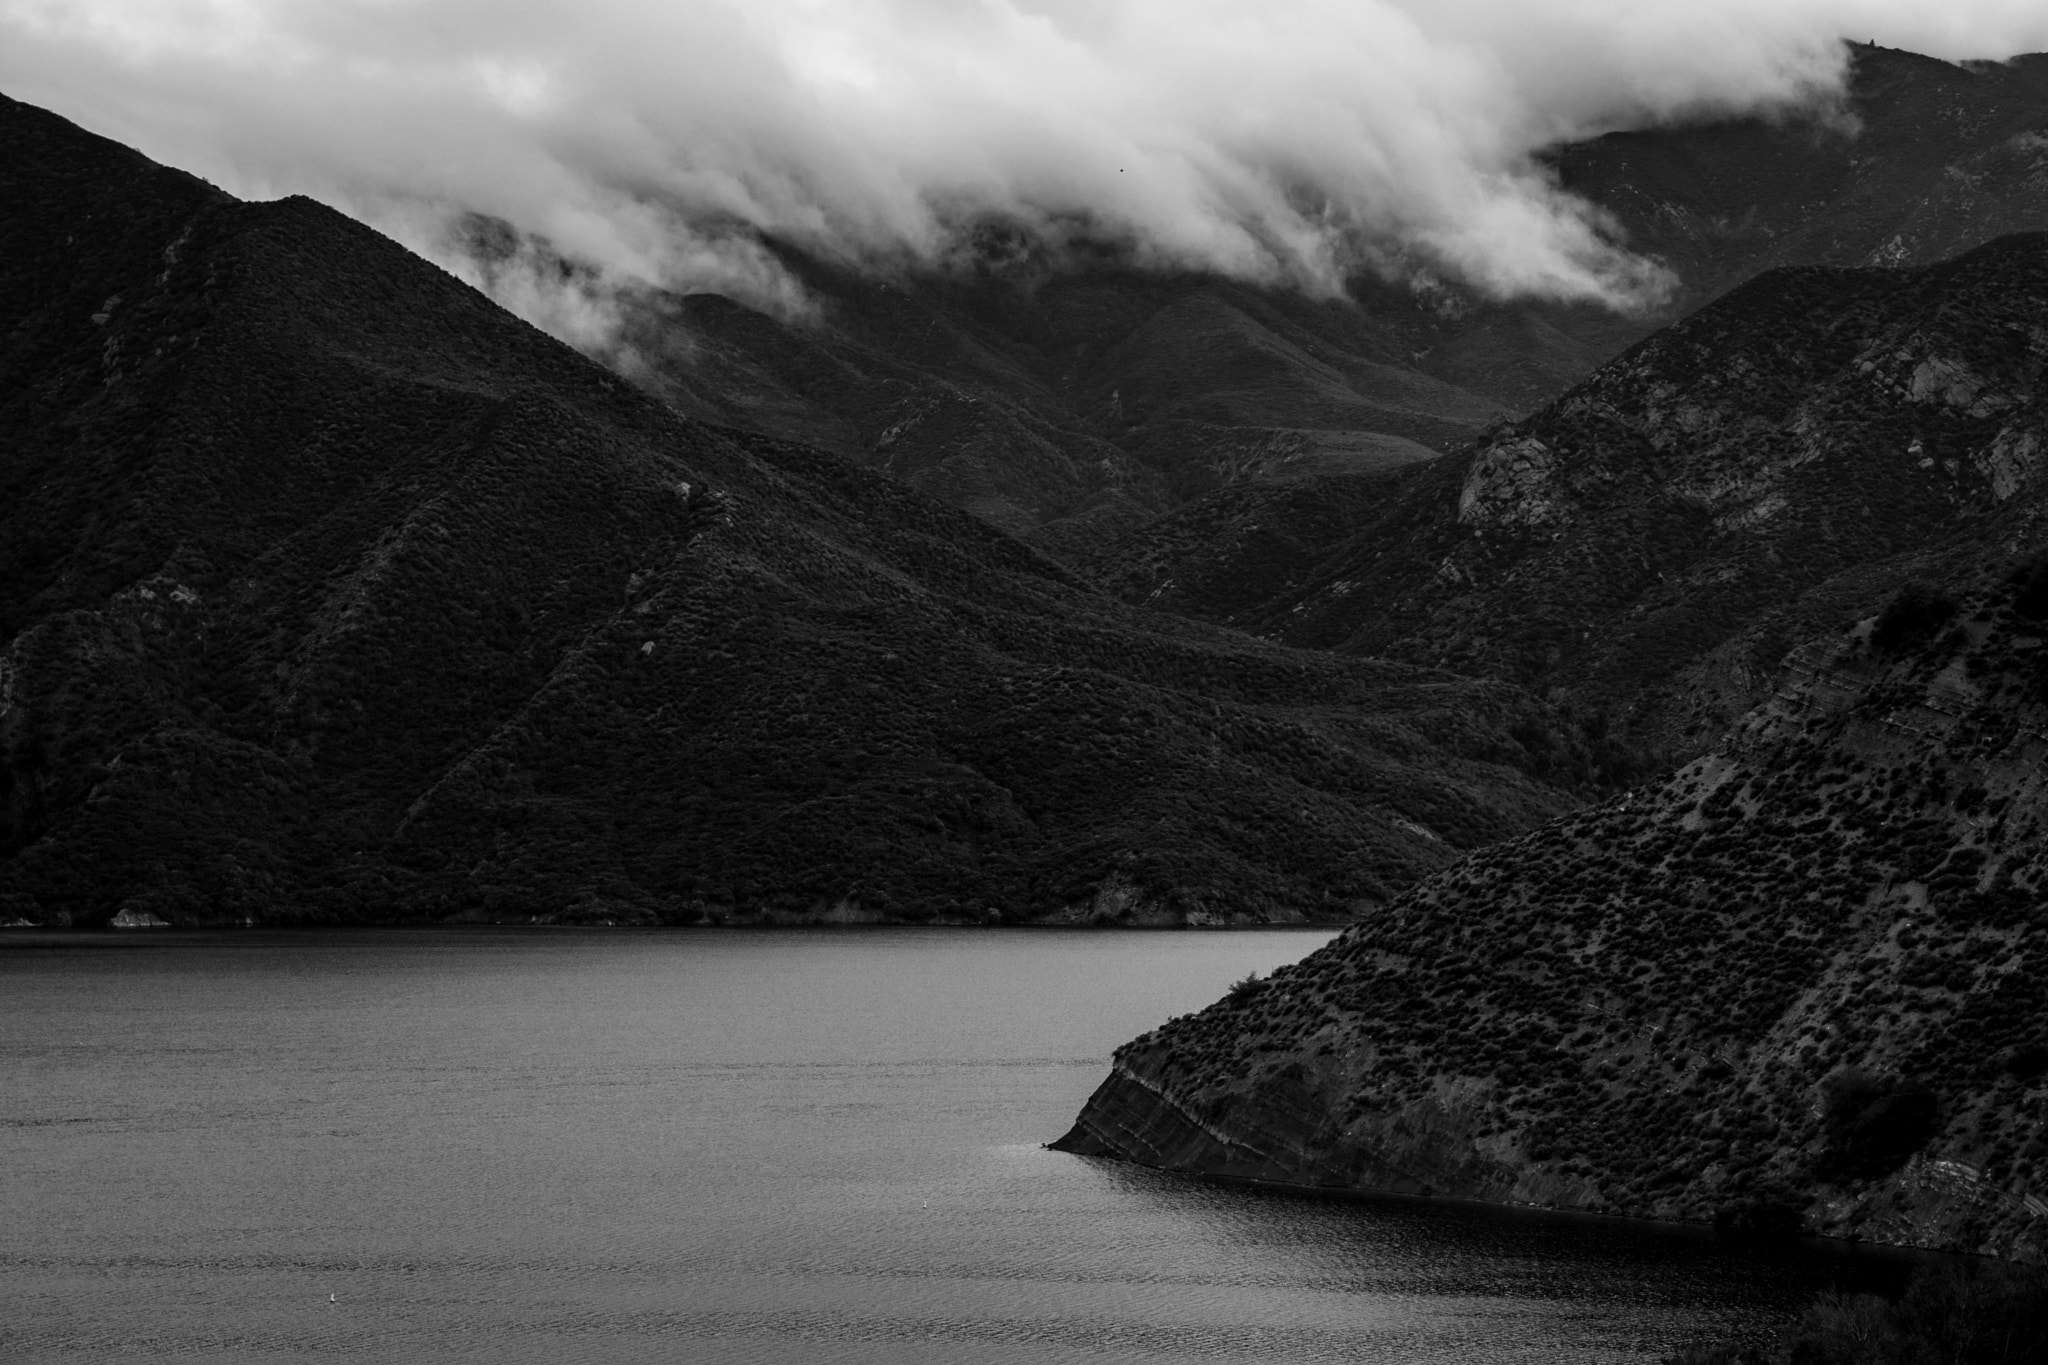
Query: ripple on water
x,y
720,1147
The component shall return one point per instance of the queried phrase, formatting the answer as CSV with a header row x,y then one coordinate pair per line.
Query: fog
x,y
1293,142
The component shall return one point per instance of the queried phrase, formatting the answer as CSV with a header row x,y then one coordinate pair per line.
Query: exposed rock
x,y
2012,464
1509,485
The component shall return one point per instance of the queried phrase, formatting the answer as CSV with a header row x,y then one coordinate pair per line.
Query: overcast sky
x,y
1282,140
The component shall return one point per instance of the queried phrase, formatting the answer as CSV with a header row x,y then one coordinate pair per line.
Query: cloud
x,y
658,141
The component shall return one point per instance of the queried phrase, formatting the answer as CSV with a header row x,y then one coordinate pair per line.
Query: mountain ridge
x,y
330,591
1074,400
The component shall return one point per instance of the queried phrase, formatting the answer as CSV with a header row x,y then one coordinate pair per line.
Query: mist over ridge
x,y
1295,142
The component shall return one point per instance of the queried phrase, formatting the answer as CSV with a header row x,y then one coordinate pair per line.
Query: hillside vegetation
x,y
330,591
1797,985
1649,545
1074,396
1729,488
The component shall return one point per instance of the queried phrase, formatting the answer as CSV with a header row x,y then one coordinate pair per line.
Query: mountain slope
x,y
328,590
1925,159
1800,982
1063,403
1649,544
1075,399
1921,160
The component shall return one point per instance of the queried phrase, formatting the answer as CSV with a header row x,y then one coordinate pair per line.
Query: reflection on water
x,y
717,1146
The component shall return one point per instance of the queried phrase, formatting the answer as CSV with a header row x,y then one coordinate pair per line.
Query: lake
x,y
716,1146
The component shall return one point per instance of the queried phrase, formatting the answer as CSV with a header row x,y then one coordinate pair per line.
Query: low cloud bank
x,y
658,141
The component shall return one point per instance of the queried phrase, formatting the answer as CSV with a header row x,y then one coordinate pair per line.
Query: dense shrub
x,y
2026,1061
1911,618
1872,1124
2030,584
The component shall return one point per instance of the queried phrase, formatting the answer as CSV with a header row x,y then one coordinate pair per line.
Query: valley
x,y
1658,697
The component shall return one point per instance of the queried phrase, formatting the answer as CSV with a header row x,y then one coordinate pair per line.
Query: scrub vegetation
x,y
1797,985
329,591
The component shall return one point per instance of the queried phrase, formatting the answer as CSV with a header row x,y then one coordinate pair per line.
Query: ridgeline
x,y
330,591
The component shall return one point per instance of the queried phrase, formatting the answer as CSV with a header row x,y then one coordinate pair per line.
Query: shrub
x,y
2026,1061
1911,618
1873,1124
2031,580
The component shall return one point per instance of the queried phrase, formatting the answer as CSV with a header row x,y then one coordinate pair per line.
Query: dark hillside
x,y
1799,984
1927,160
1065,404
1233,554
1075,399
1651,543
328,590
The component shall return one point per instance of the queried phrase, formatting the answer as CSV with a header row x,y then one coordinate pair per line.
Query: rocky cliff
x,y
1801,980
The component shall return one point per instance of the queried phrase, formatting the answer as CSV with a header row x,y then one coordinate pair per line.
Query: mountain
x,y
1074,400
331,591
1646,547
1796,985
1922,159
1064,402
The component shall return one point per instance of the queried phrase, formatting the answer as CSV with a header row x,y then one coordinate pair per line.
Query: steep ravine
x,y
1802,980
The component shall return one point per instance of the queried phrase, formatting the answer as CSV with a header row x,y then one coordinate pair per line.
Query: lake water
x,y
714,1146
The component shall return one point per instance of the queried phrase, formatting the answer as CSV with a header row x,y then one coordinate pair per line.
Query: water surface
x,y
713,1146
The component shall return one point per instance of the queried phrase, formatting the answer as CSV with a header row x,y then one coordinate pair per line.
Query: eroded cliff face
x,y
1806,978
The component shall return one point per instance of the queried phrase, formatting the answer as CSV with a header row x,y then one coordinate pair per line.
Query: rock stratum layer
x,y
1804,979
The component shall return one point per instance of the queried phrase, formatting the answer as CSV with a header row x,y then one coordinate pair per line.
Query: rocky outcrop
x,y
1510,485
1803,979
